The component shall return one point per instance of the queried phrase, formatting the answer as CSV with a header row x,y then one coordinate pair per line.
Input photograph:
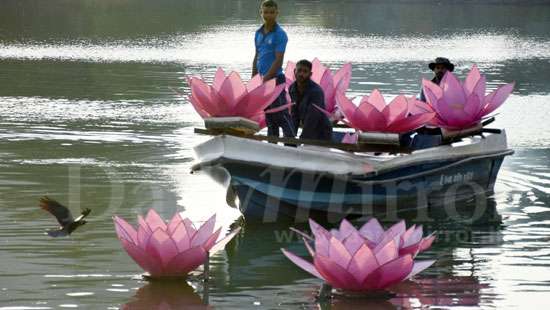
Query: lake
x,y
87,116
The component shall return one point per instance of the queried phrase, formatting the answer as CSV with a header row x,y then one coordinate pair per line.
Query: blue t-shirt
x,y
266,47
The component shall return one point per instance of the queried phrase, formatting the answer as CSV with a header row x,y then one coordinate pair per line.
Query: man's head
x,y
440,66
269,11
302,72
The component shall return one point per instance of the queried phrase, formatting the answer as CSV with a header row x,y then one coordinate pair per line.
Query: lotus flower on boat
x,y
329,82
229,96
462,105
170,249
365,259
373,114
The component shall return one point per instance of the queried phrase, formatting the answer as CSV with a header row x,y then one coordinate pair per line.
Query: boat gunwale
x,y
381,170
221,160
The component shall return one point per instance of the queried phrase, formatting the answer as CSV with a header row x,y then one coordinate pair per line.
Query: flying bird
x,y
63,216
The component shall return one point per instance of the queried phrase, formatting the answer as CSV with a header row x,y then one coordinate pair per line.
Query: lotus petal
x,y
187,261
125,230
497,97
143,236
212,240
223,242
472,109
141,257
395,271
219,78
317,70
386,253
164,245
327,84
353,242
363,263
175,221
453,92
204,232
181,237
338,253
346,106
368,118
300,262
342,78
411,123
419,266
472,81
204,97
154,220
426,243
191,230
232,90
372,231
412,236
334,273
377,100
310,250
397,109
346,229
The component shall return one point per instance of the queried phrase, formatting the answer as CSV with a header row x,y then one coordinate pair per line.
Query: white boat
x,y
269,182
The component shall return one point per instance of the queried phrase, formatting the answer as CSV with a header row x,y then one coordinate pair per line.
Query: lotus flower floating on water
x,y
170,249
365,259
330,83
462,105
229,96
373,114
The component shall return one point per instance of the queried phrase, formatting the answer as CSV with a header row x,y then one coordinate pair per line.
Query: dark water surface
x,y
87,117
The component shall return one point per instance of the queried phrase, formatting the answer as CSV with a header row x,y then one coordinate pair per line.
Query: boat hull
x,y
275,192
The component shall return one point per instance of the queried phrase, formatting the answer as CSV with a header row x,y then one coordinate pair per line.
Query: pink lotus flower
x,y
462,105
373,114
365,259
229,96
331,84
170,249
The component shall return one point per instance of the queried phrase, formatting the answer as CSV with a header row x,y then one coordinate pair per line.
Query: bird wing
x,y
61,213
83,214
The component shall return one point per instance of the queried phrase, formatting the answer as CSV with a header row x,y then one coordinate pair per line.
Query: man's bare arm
x,y
254,68
278,63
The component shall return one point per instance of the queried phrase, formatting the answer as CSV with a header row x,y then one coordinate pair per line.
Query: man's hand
x,y
254,69
278,63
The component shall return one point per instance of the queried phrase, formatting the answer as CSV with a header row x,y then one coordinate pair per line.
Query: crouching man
x,y
306,94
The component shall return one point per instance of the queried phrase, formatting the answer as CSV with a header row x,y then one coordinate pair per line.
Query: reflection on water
x,y
167,296
87,116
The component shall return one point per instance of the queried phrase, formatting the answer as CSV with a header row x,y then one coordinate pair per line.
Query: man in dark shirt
x,y
306,94
440,66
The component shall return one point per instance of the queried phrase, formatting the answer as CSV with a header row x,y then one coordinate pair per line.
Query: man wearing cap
x,y
440,66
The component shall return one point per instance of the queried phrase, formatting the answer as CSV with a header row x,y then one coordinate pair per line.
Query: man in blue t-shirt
x,y
270,41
